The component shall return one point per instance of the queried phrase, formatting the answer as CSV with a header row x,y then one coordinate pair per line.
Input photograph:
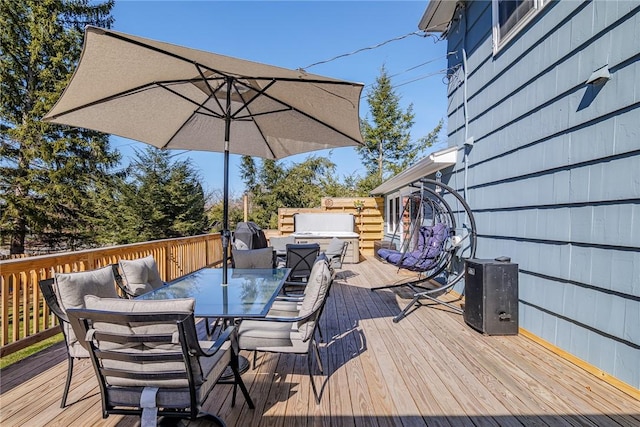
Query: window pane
x,y
512,11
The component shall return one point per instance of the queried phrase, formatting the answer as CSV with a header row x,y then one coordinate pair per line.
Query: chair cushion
x,y
271,336
140,305
180,305
185,305
279,243
141,275
284,309
315,293
335,247
212,368
71,288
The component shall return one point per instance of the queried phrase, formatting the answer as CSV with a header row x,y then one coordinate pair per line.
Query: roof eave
x,y
437,16
427,166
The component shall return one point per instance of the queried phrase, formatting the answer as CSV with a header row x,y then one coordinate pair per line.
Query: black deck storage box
x,y
491,296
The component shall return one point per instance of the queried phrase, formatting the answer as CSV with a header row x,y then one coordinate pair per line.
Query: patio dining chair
x,y
137,276
279,244
67,291
295,334
336,252
253,258
300,259
148,360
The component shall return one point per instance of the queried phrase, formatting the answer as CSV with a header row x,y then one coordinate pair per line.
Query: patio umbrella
x,y
174,97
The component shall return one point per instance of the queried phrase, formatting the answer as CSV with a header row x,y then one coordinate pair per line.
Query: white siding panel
x,y
632,320
600,353
620,48
625,275
627,128
626,363
625,83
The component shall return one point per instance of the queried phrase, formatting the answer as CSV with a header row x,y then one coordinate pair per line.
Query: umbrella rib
x,y
132,91
127,92
290,107
186,98
246,103
212,91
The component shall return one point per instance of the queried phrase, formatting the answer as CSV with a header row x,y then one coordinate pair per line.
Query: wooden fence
x,y
368,213
25,316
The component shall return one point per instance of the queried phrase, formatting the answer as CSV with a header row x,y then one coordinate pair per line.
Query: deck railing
x,y
25,316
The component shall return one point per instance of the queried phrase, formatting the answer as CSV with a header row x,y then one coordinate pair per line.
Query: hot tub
x,y
321,228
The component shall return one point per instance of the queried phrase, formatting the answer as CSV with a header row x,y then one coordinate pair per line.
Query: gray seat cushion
x,y
335,247
315,294
141,275
71,288
271,336
284,309
279,243
289,337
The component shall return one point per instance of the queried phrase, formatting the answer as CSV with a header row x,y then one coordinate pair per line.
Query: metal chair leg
x,y
68,382
313,383
255,357
239,382
317,352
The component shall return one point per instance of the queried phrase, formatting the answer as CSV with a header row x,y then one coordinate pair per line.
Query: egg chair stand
x,y
435,235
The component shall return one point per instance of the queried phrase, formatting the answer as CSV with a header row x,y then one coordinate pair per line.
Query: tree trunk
x,y
16,246
380,160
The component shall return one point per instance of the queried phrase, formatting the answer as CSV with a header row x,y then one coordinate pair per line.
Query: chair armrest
x,y
284,319
46,287
290,298
196,350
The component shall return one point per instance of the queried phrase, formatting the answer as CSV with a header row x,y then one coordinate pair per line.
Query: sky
x,y
357,38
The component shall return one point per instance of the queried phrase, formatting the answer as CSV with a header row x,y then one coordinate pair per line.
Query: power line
x,y
414,33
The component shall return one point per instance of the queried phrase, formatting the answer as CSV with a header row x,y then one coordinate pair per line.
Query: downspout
x,y
466,123
467,142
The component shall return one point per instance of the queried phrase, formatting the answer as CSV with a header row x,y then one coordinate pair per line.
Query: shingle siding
x,y
554,173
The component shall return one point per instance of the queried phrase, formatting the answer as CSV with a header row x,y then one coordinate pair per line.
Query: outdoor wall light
x,y
599,76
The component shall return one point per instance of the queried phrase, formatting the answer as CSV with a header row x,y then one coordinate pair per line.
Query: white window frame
x,y
499,39
394,208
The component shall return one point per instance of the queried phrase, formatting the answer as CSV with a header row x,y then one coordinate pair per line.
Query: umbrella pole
x,y
226,234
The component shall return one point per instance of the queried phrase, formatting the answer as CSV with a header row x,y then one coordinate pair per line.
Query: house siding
x,y
553,176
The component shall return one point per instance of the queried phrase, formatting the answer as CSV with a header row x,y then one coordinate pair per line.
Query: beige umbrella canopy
x,y
174,97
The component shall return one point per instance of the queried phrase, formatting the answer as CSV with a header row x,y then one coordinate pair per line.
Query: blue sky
x,y
296,34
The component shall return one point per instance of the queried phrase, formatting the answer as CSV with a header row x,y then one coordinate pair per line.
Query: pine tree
x,y
388,148
161,199
48,173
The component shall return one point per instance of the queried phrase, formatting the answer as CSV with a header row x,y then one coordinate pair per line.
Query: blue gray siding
x,y
553,176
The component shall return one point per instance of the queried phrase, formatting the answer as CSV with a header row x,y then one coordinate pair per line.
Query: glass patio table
x,y
249,293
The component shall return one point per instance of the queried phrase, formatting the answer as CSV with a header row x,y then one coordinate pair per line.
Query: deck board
x,y
428,369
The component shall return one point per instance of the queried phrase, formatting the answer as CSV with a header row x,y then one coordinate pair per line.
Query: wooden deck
x,y
428,369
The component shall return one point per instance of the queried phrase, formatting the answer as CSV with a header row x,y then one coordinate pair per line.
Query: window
x,y
509,16
393,213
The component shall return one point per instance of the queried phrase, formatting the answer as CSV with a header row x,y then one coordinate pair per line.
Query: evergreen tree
x,y
48,173
161,199
388,148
